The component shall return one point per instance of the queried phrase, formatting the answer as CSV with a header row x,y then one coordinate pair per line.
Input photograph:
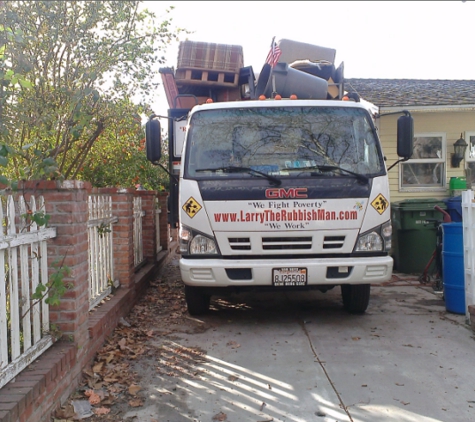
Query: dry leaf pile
x,y
112,379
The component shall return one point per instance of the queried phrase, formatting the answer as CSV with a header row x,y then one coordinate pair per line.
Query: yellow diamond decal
x,y
191,207
380,203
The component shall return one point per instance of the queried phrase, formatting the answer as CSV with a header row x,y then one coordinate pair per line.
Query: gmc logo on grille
x,y
275,193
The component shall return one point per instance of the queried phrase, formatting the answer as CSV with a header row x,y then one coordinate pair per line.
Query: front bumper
x,y
320,272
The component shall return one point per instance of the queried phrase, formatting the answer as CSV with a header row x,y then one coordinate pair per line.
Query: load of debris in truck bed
x,y
216,71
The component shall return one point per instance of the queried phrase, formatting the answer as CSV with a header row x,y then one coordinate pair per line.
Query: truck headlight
x,y
195,243
202,245
369,242
376,240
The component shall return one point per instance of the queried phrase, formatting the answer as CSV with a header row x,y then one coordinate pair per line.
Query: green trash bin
x,y
414,235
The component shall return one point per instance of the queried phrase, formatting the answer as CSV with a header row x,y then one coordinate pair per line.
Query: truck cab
x,y
283,194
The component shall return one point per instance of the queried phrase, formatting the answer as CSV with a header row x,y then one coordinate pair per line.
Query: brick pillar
x,y
66,203
149,224
123,232
164,227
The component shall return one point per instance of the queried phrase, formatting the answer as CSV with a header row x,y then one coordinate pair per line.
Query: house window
x,y
425,170
470,161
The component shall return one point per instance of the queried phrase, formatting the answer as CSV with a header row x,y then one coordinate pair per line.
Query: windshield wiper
x,y
324,168
359,176
233,169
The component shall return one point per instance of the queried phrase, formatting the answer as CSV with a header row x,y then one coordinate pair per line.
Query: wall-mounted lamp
x,y
460,146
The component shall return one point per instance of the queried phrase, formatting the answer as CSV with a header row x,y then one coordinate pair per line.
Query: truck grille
x,y
286,243
333,242
240,243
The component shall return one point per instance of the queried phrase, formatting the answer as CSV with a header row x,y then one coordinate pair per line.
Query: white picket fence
x,y
468,222
101,256
138,234
158,211
100,235
24,322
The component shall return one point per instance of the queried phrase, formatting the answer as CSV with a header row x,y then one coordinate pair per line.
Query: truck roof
x,y
371,108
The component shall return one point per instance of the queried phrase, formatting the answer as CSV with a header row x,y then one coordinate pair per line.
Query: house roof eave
x,y
428,109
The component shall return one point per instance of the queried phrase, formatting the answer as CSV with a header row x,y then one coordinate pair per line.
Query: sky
x,y
382,39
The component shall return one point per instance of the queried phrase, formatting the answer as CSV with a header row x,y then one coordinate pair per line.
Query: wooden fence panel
x,y
3,300
158,211
13,283
24,321
101,258
138,238
468,218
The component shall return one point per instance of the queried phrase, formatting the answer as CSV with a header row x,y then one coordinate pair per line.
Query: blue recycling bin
x,y
454,208
453,267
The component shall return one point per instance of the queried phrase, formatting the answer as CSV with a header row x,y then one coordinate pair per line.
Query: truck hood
x,y
331,204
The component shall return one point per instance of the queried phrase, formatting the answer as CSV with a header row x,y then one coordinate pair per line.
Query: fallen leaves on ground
x,y
93,397
102,411
135,403
111,378
134,389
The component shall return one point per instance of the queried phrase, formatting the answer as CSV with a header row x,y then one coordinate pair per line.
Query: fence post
x,y
123,232
468,214
148,224
66,203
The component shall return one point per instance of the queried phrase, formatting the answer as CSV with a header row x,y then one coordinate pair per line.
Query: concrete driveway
x,y
301,357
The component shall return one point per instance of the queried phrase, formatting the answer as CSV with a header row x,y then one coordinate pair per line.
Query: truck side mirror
x,y
405,136
153,142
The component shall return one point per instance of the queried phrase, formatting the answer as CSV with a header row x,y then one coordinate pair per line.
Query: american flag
x,y
274,54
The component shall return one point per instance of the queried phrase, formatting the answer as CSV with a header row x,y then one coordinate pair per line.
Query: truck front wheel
x,y
197,300
355,297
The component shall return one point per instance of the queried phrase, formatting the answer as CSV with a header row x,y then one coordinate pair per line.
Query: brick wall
x,y
45,385
164,227
122,207
148,223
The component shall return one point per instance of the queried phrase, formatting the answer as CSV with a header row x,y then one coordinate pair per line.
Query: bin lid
x,y
458,183
453,199
419,204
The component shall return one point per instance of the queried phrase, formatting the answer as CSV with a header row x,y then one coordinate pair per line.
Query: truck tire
x,y
197,301
355,297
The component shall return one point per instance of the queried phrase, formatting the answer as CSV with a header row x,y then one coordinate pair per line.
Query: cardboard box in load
x,y
210,56
229,94
294,50
333,90
190,102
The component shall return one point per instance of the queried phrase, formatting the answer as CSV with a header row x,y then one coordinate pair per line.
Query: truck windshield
x,y
282,141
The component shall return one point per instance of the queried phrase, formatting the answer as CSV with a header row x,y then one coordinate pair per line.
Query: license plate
x,y
290,276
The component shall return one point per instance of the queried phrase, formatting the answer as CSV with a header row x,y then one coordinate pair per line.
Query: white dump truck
x,y
284,188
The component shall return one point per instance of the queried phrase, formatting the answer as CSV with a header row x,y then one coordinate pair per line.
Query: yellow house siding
x,y
451,123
